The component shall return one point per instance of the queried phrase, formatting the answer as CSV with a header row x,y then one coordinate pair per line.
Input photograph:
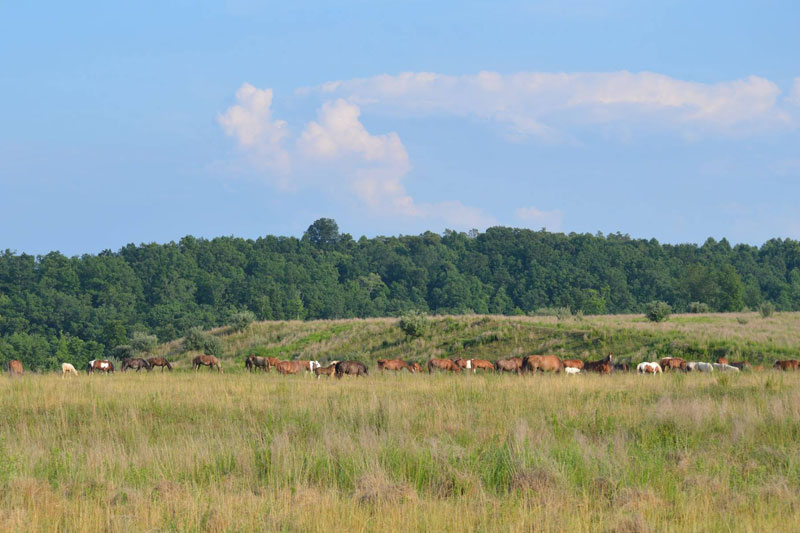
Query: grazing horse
x,y
393,364
329,370
160,361
67,368
443,364
290,367
511,364
137,363
309,366
622,367
742,365
603,366
722,360
571,370
15,368
671,363
724,367
649,368
414,367
697,366
787,365
483,364
254,362
463,364
206,360
573,363
354,368
543,363
100,364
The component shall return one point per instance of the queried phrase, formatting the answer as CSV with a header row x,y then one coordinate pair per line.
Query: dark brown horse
x,y
329,370
511,364
254,362
573,363
101,365
392,364
353,368
135,364
206,360
542,363
160,361
672,363
443,364
787,365
15,368
603,366
290,367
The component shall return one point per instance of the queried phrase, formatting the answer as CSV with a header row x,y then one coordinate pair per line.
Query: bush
x,y
415,324
213,346
195,339
699,307
242,319
142,342
657,311
123,351
766,309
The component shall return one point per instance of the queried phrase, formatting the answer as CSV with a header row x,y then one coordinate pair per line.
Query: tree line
x,y
55,308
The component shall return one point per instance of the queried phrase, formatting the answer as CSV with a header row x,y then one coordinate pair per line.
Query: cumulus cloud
x,y
535,218
548,105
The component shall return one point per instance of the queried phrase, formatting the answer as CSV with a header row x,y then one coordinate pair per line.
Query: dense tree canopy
x,y
54,307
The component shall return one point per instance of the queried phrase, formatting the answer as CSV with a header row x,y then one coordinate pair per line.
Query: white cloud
x,y
250,121
548,105
536,218
794,97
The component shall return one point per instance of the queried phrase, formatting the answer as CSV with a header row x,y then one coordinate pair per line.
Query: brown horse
x,y
160,361
135,364
206,360
672,363
603,366
393,364
542,363
573,363
254,362
511,364
722,360
483,364
742,365
443,364
290,367
15,368
787,364
102,365
329,370
414,367
353,368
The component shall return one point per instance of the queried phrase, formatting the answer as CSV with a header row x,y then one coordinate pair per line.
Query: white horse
x,y
649,368
722,367
699,366
570,370
67,368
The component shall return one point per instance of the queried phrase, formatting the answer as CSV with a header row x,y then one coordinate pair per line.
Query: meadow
x,y
203,451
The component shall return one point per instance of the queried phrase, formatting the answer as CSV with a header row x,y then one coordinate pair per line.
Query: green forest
x,y
55,308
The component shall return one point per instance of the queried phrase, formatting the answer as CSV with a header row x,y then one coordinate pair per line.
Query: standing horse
x,y
742,365
542,363
254,362
724,368
483,364
15,368
414,367
353,368
787,365
206,360
392,364
289,367
137,364
102,365
67,368
672,363
511,364
329,370
463,364
603,366
443,364
649,368
160,361
573,363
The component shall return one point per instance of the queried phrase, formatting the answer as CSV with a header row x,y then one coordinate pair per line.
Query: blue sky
x,y
152,120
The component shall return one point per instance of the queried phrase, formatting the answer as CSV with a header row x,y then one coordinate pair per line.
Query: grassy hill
x,y
738,336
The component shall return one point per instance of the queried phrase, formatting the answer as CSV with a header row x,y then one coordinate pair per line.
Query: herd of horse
x,y
517,365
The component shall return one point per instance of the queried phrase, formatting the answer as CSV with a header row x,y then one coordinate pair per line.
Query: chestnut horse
x,y
672,363
463,364
100,364
603,366
206,360
329,370
787,364
414,367
573,363
160,361
354,368
483,364
15,368
443,364
542,363
511,364
722,360
290,367
392,364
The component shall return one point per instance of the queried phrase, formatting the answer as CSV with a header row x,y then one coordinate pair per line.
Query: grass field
x,y
239,452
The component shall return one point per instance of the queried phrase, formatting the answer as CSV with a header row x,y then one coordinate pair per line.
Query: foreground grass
x,y
239,452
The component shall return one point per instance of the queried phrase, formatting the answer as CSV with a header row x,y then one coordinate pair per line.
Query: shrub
x,y
414,324
242,319
143,342
123,351
742,320
657,311
195,339
699,307
213,346
766,309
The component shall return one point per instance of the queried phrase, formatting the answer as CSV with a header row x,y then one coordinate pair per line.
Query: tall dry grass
x,y
238,452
